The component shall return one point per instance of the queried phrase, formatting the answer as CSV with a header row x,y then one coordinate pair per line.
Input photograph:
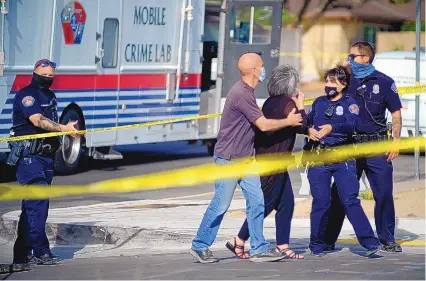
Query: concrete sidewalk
x,y
169,225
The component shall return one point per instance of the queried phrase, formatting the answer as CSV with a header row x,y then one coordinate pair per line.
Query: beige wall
x,y
390,41
331,39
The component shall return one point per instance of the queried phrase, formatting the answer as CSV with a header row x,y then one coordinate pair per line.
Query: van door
x,y
252,26
108,62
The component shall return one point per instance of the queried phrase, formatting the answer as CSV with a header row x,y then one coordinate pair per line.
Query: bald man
x,y
34,112
240,118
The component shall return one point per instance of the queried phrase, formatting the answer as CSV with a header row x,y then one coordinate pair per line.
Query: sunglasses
x,y
353,56
46,63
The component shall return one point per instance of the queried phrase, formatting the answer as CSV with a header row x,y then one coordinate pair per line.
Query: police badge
x,y
376,89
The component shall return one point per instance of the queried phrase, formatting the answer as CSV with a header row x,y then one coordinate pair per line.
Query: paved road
x,y
149,158
343,265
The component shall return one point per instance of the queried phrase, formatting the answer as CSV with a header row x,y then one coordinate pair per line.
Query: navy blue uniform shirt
x,y
381,94
343,118
29,101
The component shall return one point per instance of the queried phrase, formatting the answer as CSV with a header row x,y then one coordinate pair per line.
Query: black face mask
x,y
331,91
42,82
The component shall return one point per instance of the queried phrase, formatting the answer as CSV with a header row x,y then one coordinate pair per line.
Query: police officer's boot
x,y
48,259
391,247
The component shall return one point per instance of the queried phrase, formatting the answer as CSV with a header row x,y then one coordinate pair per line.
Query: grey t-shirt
x,y
237,131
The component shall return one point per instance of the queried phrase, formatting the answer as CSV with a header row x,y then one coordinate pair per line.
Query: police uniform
x,y
34,160
375,93
342,115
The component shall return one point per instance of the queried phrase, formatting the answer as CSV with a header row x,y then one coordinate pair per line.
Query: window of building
x,y
370,34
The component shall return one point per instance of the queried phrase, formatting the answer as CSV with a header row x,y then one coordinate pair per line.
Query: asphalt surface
x,y
145,159
347,264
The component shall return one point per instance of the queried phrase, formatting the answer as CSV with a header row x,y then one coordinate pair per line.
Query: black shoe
x,y
392,247
372,252
268,256
32,260
15,267
318,254
330,248
203,256
47,259
55,257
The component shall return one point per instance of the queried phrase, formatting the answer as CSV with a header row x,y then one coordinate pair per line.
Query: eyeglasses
x,y
353,56
45,63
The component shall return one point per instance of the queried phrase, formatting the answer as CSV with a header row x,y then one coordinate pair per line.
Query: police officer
x,y
375,93
34,112
332,121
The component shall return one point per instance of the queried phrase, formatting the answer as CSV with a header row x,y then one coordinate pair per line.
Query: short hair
x,y
283,81
366,49
340,74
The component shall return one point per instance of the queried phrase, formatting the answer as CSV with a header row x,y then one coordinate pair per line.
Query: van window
x,y
110,43
251,25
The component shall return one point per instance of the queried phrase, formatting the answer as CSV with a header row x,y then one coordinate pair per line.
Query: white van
x,y
401,66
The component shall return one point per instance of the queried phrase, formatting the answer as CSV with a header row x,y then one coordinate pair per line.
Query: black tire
x,y
210,147
68,159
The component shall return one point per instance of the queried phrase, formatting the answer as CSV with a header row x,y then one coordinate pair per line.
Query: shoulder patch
x,y
394,89
28,101
353,108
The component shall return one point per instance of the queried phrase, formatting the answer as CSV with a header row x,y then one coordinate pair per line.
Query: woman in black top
x,y
277,190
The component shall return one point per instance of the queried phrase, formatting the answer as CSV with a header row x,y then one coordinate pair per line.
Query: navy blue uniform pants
x,y
380,175
281,199
35,170
344,175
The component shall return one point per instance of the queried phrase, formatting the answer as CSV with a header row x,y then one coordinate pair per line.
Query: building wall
x,y
324,45
401,40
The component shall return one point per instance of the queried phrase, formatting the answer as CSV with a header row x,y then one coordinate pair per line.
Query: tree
x,y
325,6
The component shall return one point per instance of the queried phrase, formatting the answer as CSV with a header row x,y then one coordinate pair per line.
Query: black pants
x,y
32,237
281,199
380,175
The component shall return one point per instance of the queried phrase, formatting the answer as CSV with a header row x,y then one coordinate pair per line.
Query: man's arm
x,y
396,124
248,107
44,123
267,125
394,106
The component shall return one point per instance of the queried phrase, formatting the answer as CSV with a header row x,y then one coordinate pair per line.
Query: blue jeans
x,y
35,170
224,191
280,199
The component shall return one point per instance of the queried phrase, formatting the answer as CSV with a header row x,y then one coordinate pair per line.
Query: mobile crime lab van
x,y
123,62
401,67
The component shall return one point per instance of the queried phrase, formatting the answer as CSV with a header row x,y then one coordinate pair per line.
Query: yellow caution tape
x,y
308,101
419,89
133,126
264,165
306,54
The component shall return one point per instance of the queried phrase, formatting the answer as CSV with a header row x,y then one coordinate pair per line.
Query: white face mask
x,y
262,75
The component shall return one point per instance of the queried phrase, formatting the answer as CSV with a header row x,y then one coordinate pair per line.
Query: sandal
x,y
233,249
290,254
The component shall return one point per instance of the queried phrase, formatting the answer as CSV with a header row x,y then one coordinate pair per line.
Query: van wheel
x,y
210,147
68,159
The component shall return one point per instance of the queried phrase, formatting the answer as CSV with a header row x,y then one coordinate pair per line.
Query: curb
x,y
82,234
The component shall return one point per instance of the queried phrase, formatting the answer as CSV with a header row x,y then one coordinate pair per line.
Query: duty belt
x,y
360,138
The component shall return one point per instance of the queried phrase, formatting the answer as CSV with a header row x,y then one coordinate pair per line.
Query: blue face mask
x,y
361,70
262,75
